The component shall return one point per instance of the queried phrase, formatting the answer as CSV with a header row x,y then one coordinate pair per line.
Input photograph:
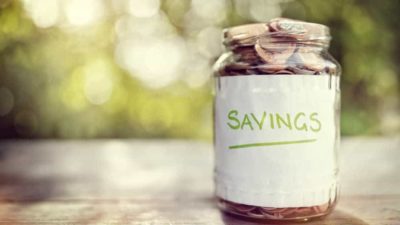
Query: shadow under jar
x,y
276,121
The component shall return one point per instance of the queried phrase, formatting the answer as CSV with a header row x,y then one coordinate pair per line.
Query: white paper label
x,y
275,139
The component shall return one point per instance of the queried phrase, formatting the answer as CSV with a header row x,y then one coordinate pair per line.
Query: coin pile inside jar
x,y
281,46
273,213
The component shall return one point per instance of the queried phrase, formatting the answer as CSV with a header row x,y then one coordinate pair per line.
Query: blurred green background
x,y
142,68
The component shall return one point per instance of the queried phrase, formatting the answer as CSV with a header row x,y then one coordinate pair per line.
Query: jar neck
x,y
251,53
280,42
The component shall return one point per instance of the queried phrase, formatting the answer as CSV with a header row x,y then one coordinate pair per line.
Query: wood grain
x,y
168,182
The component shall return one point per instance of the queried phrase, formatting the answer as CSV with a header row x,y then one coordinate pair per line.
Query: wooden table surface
x,y
168,182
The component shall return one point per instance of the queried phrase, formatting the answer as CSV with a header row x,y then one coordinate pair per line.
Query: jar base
x,y
290,214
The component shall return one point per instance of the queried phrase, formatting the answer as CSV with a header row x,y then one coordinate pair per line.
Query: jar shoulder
x,y
299,61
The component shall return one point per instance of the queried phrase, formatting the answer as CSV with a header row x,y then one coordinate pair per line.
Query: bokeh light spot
x,y
211,10
200,71
145,8
209,41
155,61
72,93
261,10
98,84
45,13
84,12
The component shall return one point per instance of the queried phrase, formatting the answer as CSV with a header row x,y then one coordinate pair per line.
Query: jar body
x,y
276,127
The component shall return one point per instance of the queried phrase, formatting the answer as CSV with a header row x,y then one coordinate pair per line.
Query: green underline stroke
x,y
272,143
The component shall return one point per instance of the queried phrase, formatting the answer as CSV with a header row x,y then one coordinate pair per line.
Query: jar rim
x,y
277,30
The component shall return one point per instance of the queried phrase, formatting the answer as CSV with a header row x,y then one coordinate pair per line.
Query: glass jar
x,y
276,121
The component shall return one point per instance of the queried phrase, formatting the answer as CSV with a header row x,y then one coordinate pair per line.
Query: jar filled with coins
x,y
276,121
